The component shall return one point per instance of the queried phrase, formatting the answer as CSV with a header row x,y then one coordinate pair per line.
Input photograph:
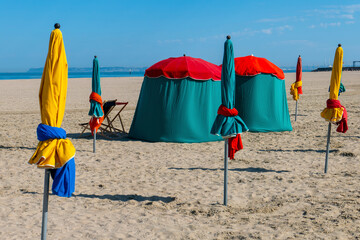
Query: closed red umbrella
x,y
299,74
296,87
182,67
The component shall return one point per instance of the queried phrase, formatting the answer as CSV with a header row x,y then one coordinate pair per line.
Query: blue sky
x,y
140,33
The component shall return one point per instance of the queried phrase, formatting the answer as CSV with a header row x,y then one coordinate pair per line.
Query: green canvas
x,y
262,104
176,110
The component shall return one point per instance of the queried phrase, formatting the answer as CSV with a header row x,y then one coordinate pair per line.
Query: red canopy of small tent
x,y
182,67
250,66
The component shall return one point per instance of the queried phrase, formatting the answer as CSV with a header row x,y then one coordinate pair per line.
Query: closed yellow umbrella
x,y
330,114
334,112
54,152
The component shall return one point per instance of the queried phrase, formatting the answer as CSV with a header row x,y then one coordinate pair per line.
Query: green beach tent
x,y
178,101
260,96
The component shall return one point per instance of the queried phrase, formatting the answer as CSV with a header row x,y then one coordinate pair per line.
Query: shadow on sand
x,y
125,198
116,137
297,150
19,147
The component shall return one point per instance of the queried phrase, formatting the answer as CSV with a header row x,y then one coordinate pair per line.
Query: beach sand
x,y
134,189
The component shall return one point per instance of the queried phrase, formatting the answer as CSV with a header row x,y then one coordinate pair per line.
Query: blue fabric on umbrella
x,y
64,177
228,126
45,132
95,107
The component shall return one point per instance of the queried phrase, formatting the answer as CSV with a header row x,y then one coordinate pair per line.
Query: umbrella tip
x,y
95,56
57,25
339,45
299,56
228,37
184,55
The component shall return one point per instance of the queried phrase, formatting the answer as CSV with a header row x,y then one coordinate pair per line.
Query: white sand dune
x,y
140,190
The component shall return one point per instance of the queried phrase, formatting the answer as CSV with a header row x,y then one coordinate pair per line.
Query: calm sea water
x,y
26,75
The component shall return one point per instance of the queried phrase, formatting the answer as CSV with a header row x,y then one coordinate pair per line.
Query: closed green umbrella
x,y
96,109
227,123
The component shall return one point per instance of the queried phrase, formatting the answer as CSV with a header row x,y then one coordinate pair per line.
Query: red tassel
x,y
235,144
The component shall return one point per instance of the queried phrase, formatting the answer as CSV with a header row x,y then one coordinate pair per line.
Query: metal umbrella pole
x,y
296,107
94,142
327,148
226,170
45,205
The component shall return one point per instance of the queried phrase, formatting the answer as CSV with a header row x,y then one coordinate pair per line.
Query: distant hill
x,y
102,69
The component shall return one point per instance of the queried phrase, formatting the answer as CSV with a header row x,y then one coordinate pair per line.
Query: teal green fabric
x,y
176,110
228,126
262,104
95,107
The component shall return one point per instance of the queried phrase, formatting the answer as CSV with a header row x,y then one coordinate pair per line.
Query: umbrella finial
x,y
228,37
184,55
339,45
57,25
299,56
95,56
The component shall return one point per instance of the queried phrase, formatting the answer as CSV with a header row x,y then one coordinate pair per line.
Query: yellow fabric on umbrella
x,y
335,114
294,90
53,153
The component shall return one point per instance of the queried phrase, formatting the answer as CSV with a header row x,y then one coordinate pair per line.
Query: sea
x,y
37,75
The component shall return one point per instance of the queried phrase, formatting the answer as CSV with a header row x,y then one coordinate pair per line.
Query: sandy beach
x,y
133,189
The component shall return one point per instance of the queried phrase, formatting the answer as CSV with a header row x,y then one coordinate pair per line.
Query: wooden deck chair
x,y
107,128
109,125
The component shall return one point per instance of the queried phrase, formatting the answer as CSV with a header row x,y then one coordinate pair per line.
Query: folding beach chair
x,y
109,128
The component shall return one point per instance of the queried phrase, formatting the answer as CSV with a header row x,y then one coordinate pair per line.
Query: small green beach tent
x,y
260,96
178,101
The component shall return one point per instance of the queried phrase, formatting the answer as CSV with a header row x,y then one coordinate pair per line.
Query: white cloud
x,y
295,42
326,25
267,31
347,16
339,12
246,32
283,28
272,20
170,41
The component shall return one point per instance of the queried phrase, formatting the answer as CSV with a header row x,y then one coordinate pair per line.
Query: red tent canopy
x,y
250,66
182,67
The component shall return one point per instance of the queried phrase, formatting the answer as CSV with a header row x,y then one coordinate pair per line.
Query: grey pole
x,y
94,142
45,204
296,110
327,148
226,171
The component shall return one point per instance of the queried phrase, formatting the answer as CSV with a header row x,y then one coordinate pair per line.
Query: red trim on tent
x,y
250,66
182,67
